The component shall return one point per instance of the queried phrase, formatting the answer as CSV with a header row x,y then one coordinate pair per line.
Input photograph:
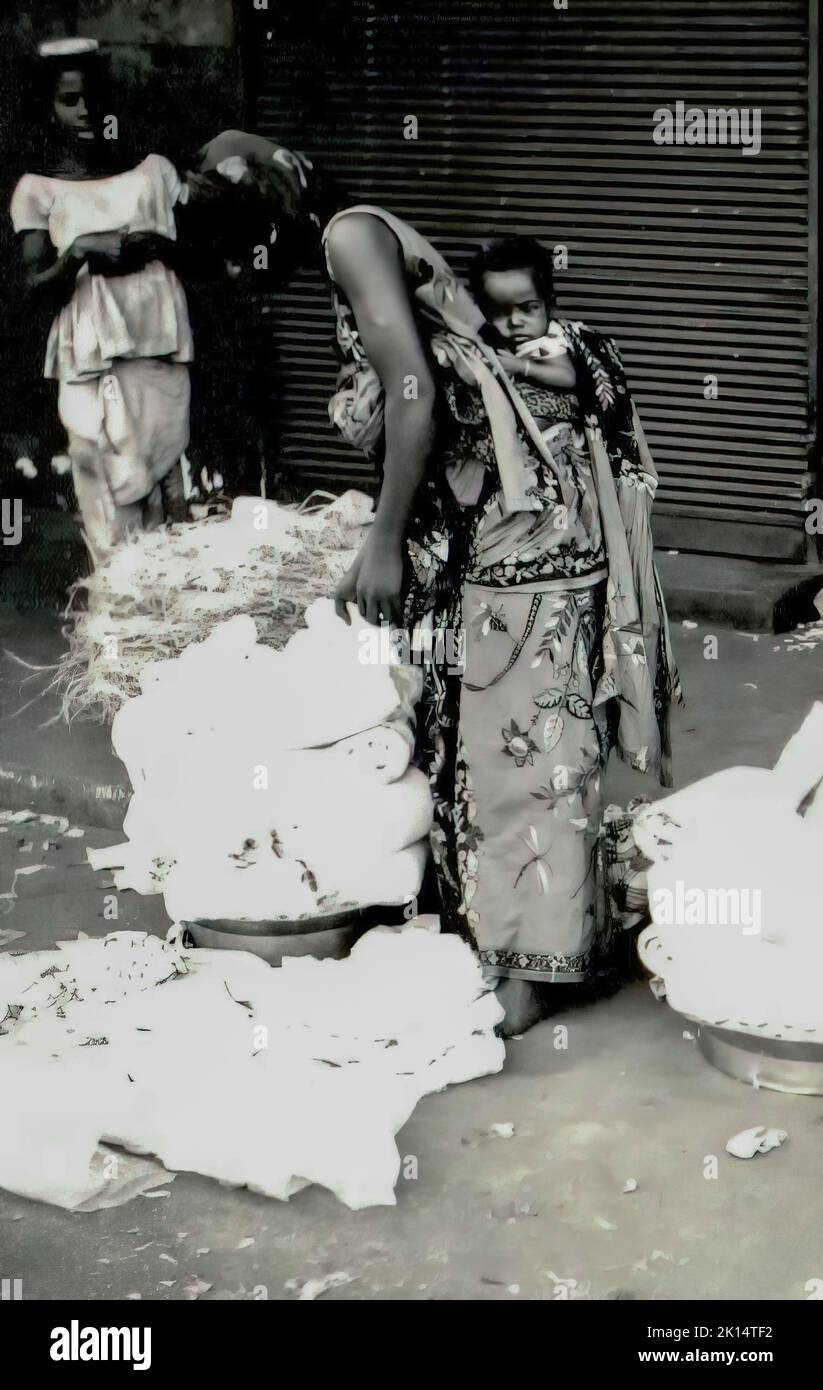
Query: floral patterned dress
x,y
550,591
523,811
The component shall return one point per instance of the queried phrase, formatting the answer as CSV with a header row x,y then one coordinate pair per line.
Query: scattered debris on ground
x,y
758,1140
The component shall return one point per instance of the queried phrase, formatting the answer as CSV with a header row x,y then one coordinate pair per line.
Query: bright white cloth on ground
x,y
221,1065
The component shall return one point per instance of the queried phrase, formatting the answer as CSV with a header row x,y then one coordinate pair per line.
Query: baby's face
x,y
514,305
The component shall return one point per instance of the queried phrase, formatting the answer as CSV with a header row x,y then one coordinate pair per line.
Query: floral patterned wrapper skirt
x,y
525,813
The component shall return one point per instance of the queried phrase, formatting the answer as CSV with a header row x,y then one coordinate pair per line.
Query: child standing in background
x,y
97,239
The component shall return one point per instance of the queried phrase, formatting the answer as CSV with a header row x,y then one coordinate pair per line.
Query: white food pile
x,y
736,894
274,784
219,1064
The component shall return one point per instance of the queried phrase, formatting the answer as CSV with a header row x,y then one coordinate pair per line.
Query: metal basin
x,y
774,1063
330,936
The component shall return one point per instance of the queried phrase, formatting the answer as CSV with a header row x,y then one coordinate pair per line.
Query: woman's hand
x,y
374,582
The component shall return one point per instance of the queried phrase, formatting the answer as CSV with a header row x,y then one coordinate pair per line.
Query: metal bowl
x,y
777,1064
331,935
774,1063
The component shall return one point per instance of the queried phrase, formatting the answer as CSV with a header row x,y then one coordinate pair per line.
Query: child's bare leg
x,y
97,509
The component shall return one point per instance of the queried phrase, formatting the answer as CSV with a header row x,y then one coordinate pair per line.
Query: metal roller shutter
x,y
538,120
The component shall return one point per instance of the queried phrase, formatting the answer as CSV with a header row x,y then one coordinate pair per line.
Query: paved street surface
x,y
490,1217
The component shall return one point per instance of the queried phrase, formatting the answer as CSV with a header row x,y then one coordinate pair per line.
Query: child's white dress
x,y
119,347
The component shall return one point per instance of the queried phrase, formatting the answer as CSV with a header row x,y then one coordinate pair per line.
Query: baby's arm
x,y
546,371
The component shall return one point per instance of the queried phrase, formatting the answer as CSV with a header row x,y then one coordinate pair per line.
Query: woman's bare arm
x,y
365,261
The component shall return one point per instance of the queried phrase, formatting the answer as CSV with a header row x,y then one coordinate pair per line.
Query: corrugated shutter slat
x,y
536,120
